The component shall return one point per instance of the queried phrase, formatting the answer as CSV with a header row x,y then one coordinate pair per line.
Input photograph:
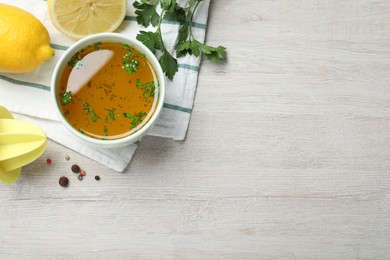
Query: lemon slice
x,y
80,18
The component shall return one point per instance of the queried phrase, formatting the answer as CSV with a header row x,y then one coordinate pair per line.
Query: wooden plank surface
x,y
287,154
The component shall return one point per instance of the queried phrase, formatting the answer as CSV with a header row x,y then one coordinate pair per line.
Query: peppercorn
x,y
80,177
75,168
48,161
67,158
63,181
97,178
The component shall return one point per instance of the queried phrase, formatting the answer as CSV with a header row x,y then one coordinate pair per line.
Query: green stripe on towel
x,y
25,83
188,66
58,47
177,108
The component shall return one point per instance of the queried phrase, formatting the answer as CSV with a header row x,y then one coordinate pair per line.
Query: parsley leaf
x,y
167,4
193,2
150,39
214,54
175,13
186,43
194,47
146,13
169,65
183,48
183,32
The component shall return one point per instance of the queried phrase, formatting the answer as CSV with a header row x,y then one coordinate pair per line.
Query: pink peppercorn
x,y
82,173
48,161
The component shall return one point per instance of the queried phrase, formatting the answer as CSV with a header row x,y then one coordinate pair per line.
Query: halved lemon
x,y
80,18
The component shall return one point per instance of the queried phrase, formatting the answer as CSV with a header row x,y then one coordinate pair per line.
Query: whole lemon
x,y
24,41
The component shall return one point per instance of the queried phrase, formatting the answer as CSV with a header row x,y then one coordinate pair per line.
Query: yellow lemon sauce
x,y
108,90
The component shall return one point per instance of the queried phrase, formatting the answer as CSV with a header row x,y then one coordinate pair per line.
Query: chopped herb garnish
x,y
96,45
110,115
136,119
66,98
72,63
130,65
140,114
128,57
128,115
126,46
148,88
91,112
85,105
105,130
75,58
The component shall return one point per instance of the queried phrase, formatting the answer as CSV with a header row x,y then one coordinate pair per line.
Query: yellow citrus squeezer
x,y
21,143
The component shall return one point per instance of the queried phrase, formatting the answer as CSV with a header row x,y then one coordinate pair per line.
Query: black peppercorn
x,y
64,181
75,168
97,178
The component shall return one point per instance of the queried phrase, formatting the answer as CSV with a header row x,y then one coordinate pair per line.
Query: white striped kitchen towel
x,y
28,97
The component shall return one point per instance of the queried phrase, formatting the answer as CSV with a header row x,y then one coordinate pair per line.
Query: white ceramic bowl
x,y
108,37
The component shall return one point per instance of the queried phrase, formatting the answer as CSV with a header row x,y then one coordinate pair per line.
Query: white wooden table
x,y
287,155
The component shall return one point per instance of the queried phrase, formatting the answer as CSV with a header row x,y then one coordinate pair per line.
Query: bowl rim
x,y
108,37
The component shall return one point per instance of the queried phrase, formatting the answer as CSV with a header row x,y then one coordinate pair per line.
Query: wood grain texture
x,y
287,155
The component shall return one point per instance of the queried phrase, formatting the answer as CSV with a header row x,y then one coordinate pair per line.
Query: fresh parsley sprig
x,y
147,14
